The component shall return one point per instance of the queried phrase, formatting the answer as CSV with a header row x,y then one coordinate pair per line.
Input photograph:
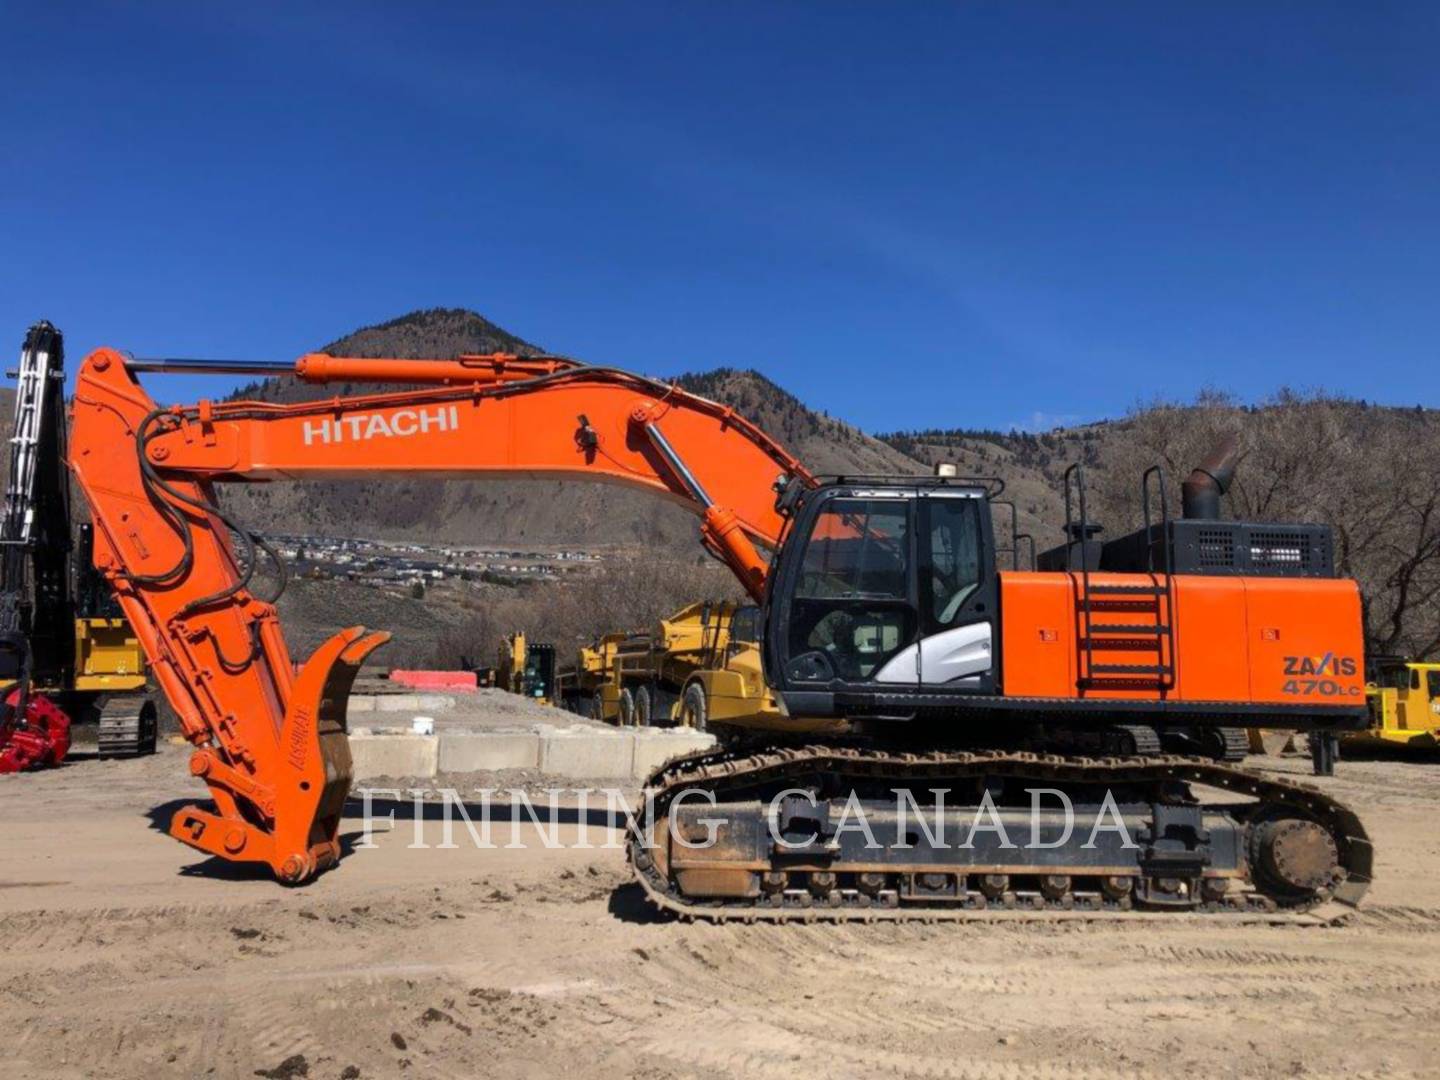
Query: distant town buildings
x,y
381,563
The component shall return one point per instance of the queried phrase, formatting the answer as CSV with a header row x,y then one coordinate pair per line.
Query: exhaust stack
x,y
1200,493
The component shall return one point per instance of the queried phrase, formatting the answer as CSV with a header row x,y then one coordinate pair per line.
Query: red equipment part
x,y
436,680
43,741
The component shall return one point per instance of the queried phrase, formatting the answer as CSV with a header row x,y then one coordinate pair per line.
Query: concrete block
x,y
585,754
394,755
421,703
486,751
655,747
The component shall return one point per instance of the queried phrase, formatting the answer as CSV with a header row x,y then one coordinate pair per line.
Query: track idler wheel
x,y
1293,858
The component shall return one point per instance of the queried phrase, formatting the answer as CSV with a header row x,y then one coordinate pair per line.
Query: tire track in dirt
x,y
530,965
1410,920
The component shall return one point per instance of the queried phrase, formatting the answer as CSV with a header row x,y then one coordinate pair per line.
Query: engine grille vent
x,y
1216,547
1200,546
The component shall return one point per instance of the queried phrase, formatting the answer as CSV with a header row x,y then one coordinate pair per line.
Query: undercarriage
x,y
840,833
1230,744
128,727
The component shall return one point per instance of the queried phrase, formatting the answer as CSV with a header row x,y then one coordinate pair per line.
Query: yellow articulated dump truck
x,y
728,689
579,686
699,668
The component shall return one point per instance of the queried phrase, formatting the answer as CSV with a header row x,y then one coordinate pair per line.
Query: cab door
x,y
852,600
886,589
958,591
955,593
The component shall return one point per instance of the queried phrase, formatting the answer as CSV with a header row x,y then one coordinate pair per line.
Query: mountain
x,y
824,444
442,333
1031,467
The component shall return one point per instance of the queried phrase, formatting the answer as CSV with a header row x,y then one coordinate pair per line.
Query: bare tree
x,y
1372,474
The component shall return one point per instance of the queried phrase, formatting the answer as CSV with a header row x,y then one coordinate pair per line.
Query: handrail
x,y
1072,541
1158,471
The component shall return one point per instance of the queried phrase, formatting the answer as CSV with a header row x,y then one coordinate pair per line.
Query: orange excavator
x,y
921,686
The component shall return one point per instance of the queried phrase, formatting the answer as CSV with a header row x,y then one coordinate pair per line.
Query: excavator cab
x,y
885,603
885,585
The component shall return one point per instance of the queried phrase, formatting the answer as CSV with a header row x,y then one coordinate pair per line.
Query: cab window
x,y
953,527
745,625
858,549
1396,678
852,609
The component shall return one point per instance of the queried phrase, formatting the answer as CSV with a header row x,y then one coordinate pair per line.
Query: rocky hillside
x,y
437,332
1372,473
1030,465
824,444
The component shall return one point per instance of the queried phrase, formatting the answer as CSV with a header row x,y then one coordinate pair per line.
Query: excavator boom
x,y
269,743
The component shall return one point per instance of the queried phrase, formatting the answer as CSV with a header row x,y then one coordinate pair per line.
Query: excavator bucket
x,y
302,804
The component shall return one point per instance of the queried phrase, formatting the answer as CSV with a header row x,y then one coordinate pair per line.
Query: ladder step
x,y
1126,590
1156,629
1131,669
1144,645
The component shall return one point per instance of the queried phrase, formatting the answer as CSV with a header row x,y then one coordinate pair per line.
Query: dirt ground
x,y
124,954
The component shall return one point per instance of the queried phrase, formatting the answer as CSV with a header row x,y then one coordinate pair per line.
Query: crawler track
x,y
128,727
725,771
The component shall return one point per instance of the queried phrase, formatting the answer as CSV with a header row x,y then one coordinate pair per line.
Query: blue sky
x,y
911,215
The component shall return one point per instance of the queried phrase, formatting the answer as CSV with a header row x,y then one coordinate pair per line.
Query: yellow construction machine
x,y
580,686
527,669
697,668
1404,698
727,690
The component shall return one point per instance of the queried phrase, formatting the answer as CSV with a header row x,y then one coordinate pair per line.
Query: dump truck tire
x,y
644,706
694,709
627,707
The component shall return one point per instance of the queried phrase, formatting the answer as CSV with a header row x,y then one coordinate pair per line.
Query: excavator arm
x,y
271,743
